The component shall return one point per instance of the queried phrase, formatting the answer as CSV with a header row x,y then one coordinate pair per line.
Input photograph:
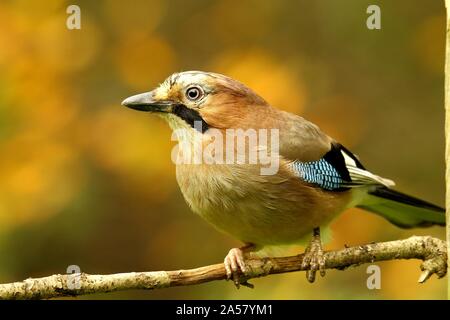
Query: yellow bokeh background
x,y
85,181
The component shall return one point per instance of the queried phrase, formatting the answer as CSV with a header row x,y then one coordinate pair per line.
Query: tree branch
x,y
432,251
447,131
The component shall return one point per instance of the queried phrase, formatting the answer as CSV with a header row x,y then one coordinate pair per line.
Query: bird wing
x,y
337,170
318,159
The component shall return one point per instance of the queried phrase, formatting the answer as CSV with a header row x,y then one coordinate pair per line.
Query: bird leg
x,y
235,263
313,258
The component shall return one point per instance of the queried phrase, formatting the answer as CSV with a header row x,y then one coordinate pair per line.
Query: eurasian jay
x,y
316,179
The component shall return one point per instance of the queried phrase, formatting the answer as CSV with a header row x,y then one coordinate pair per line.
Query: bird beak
x,y
147,102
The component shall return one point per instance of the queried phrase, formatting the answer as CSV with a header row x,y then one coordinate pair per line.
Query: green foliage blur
x,y
86,181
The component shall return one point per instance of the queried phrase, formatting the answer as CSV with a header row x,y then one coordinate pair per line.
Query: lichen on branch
x,y
431,251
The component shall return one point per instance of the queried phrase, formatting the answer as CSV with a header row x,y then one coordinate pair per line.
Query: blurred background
x,y
85,181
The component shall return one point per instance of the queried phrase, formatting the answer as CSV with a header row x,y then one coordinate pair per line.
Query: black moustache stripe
x,y
191,116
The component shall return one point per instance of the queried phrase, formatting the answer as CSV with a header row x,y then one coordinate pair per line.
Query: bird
x,y
316,177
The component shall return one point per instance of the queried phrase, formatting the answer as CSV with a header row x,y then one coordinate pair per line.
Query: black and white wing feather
x,y
337,170
340,170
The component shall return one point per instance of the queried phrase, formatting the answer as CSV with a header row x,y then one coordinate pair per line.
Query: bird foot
x,y
235,266
314,259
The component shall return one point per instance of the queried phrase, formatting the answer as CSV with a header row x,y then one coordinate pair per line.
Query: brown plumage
x,y
315,180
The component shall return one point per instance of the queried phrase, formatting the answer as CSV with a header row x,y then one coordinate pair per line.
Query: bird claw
x,y
235,267
314,259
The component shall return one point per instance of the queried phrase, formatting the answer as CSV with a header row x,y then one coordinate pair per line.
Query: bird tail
x,y
402,210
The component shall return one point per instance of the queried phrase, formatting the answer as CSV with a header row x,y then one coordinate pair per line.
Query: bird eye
x,y
194,93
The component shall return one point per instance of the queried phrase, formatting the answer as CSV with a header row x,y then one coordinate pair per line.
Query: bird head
x,y
214,100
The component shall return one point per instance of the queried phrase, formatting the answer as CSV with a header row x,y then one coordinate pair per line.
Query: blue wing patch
x,y
321,173
337,170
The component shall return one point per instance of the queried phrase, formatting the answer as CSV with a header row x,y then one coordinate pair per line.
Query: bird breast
x,y
264,210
